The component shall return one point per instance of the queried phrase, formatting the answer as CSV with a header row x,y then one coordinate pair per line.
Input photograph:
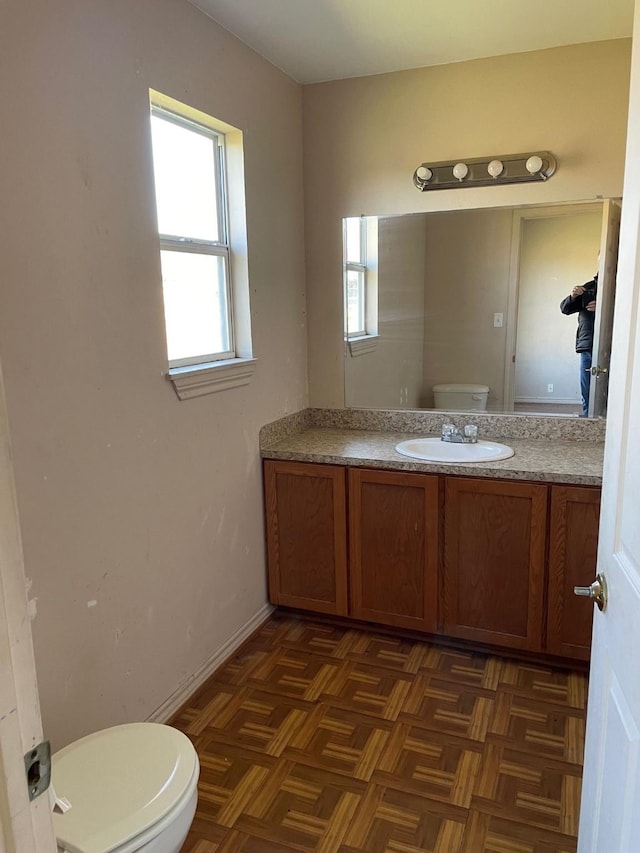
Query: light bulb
x,y
460,171
534,164
424,173
495,168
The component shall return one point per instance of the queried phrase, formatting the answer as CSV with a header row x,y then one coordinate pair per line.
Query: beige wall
x,y
147,506
467,281
364,137
391,375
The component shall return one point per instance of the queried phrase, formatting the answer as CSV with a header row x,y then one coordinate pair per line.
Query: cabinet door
x,y
494,559
393,548
573,545
306,536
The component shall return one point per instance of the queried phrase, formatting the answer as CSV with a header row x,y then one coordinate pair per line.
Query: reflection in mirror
x,y
472,297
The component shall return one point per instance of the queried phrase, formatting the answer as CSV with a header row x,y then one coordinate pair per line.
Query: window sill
x,y
363,345
200,379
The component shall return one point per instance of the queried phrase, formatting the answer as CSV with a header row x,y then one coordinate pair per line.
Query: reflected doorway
x,y
555,249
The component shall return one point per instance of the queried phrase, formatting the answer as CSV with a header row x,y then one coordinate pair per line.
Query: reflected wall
x,y
466,295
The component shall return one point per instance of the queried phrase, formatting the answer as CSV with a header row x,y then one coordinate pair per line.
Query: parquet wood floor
x,y
321,739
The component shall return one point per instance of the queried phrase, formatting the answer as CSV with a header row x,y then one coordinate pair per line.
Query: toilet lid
x,y
119,782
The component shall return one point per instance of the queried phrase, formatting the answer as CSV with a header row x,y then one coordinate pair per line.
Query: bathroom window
x,y
199,284
360,250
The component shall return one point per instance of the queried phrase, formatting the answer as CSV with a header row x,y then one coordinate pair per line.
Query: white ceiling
x,y
318,40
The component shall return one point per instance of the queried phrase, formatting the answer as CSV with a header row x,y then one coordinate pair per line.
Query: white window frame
x,y
218,248
364,340
210,372
358,266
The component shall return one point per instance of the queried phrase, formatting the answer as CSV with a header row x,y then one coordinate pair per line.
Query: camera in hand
x,y
590,290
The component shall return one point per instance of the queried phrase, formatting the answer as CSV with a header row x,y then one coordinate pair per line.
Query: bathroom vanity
x,y
485,553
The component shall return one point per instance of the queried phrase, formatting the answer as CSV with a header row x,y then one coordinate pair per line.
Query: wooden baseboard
x,y
171,707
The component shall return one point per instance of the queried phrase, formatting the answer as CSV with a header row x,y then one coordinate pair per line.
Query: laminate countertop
x,y
554,461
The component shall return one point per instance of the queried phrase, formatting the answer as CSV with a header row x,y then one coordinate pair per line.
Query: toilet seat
x,y
124,784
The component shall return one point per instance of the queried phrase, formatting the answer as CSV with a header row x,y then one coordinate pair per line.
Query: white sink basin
x,y
436,450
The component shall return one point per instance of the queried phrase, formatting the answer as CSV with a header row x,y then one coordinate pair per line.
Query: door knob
x,y
596,592
596,370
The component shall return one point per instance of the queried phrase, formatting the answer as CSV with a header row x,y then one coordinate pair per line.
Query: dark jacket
x,y
584,335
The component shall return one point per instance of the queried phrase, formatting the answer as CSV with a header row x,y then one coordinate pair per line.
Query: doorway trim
x,y
25,827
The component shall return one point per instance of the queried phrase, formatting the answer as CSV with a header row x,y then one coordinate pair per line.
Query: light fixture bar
x,y
485,171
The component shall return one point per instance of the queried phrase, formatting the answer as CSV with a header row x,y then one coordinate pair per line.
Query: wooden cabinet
x,y
494,561
477,559
307,536
393,548
573,545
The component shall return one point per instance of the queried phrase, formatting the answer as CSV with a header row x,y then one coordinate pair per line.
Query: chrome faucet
x,y
468,435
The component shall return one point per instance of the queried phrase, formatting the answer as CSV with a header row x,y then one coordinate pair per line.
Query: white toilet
x,y
460,398
132,789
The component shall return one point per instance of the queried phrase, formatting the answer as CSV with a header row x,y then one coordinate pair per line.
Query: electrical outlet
x,y
550,388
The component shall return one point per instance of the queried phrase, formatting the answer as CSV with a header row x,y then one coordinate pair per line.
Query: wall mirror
x,y
473,297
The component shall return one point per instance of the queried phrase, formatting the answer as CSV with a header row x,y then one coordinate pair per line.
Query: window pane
x,y
185,176
355,302
353,240
195,304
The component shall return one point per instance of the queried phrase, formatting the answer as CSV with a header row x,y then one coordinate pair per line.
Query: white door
x,y
610,810
25,827
603,323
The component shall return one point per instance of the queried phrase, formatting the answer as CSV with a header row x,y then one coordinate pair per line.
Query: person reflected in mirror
x,y
582,301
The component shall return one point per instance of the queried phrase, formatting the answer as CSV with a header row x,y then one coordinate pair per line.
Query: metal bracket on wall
x,y
485,171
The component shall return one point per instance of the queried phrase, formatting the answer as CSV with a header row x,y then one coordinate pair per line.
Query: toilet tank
x,y
461,398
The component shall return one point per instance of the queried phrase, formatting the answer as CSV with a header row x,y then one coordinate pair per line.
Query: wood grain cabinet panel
x,y
494,561
393,548
490,561
306,536
573,546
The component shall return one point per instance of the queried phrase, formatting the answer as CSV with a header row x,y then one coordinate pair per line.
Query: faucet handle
x,y
448,429
471,431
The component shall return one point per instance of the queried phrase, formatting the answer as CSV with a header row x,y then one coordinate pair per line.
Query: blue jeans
x,y
585,380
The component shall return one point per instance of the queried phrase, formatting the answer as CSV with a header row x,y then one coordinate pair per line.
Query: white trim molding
x,y
198,380
177,699
363,345
25,825
551,400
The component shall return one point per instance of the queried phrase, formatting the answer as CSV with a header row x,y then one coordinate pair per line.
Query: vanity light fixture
x,y
485,171
425,174
535,165
460,171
